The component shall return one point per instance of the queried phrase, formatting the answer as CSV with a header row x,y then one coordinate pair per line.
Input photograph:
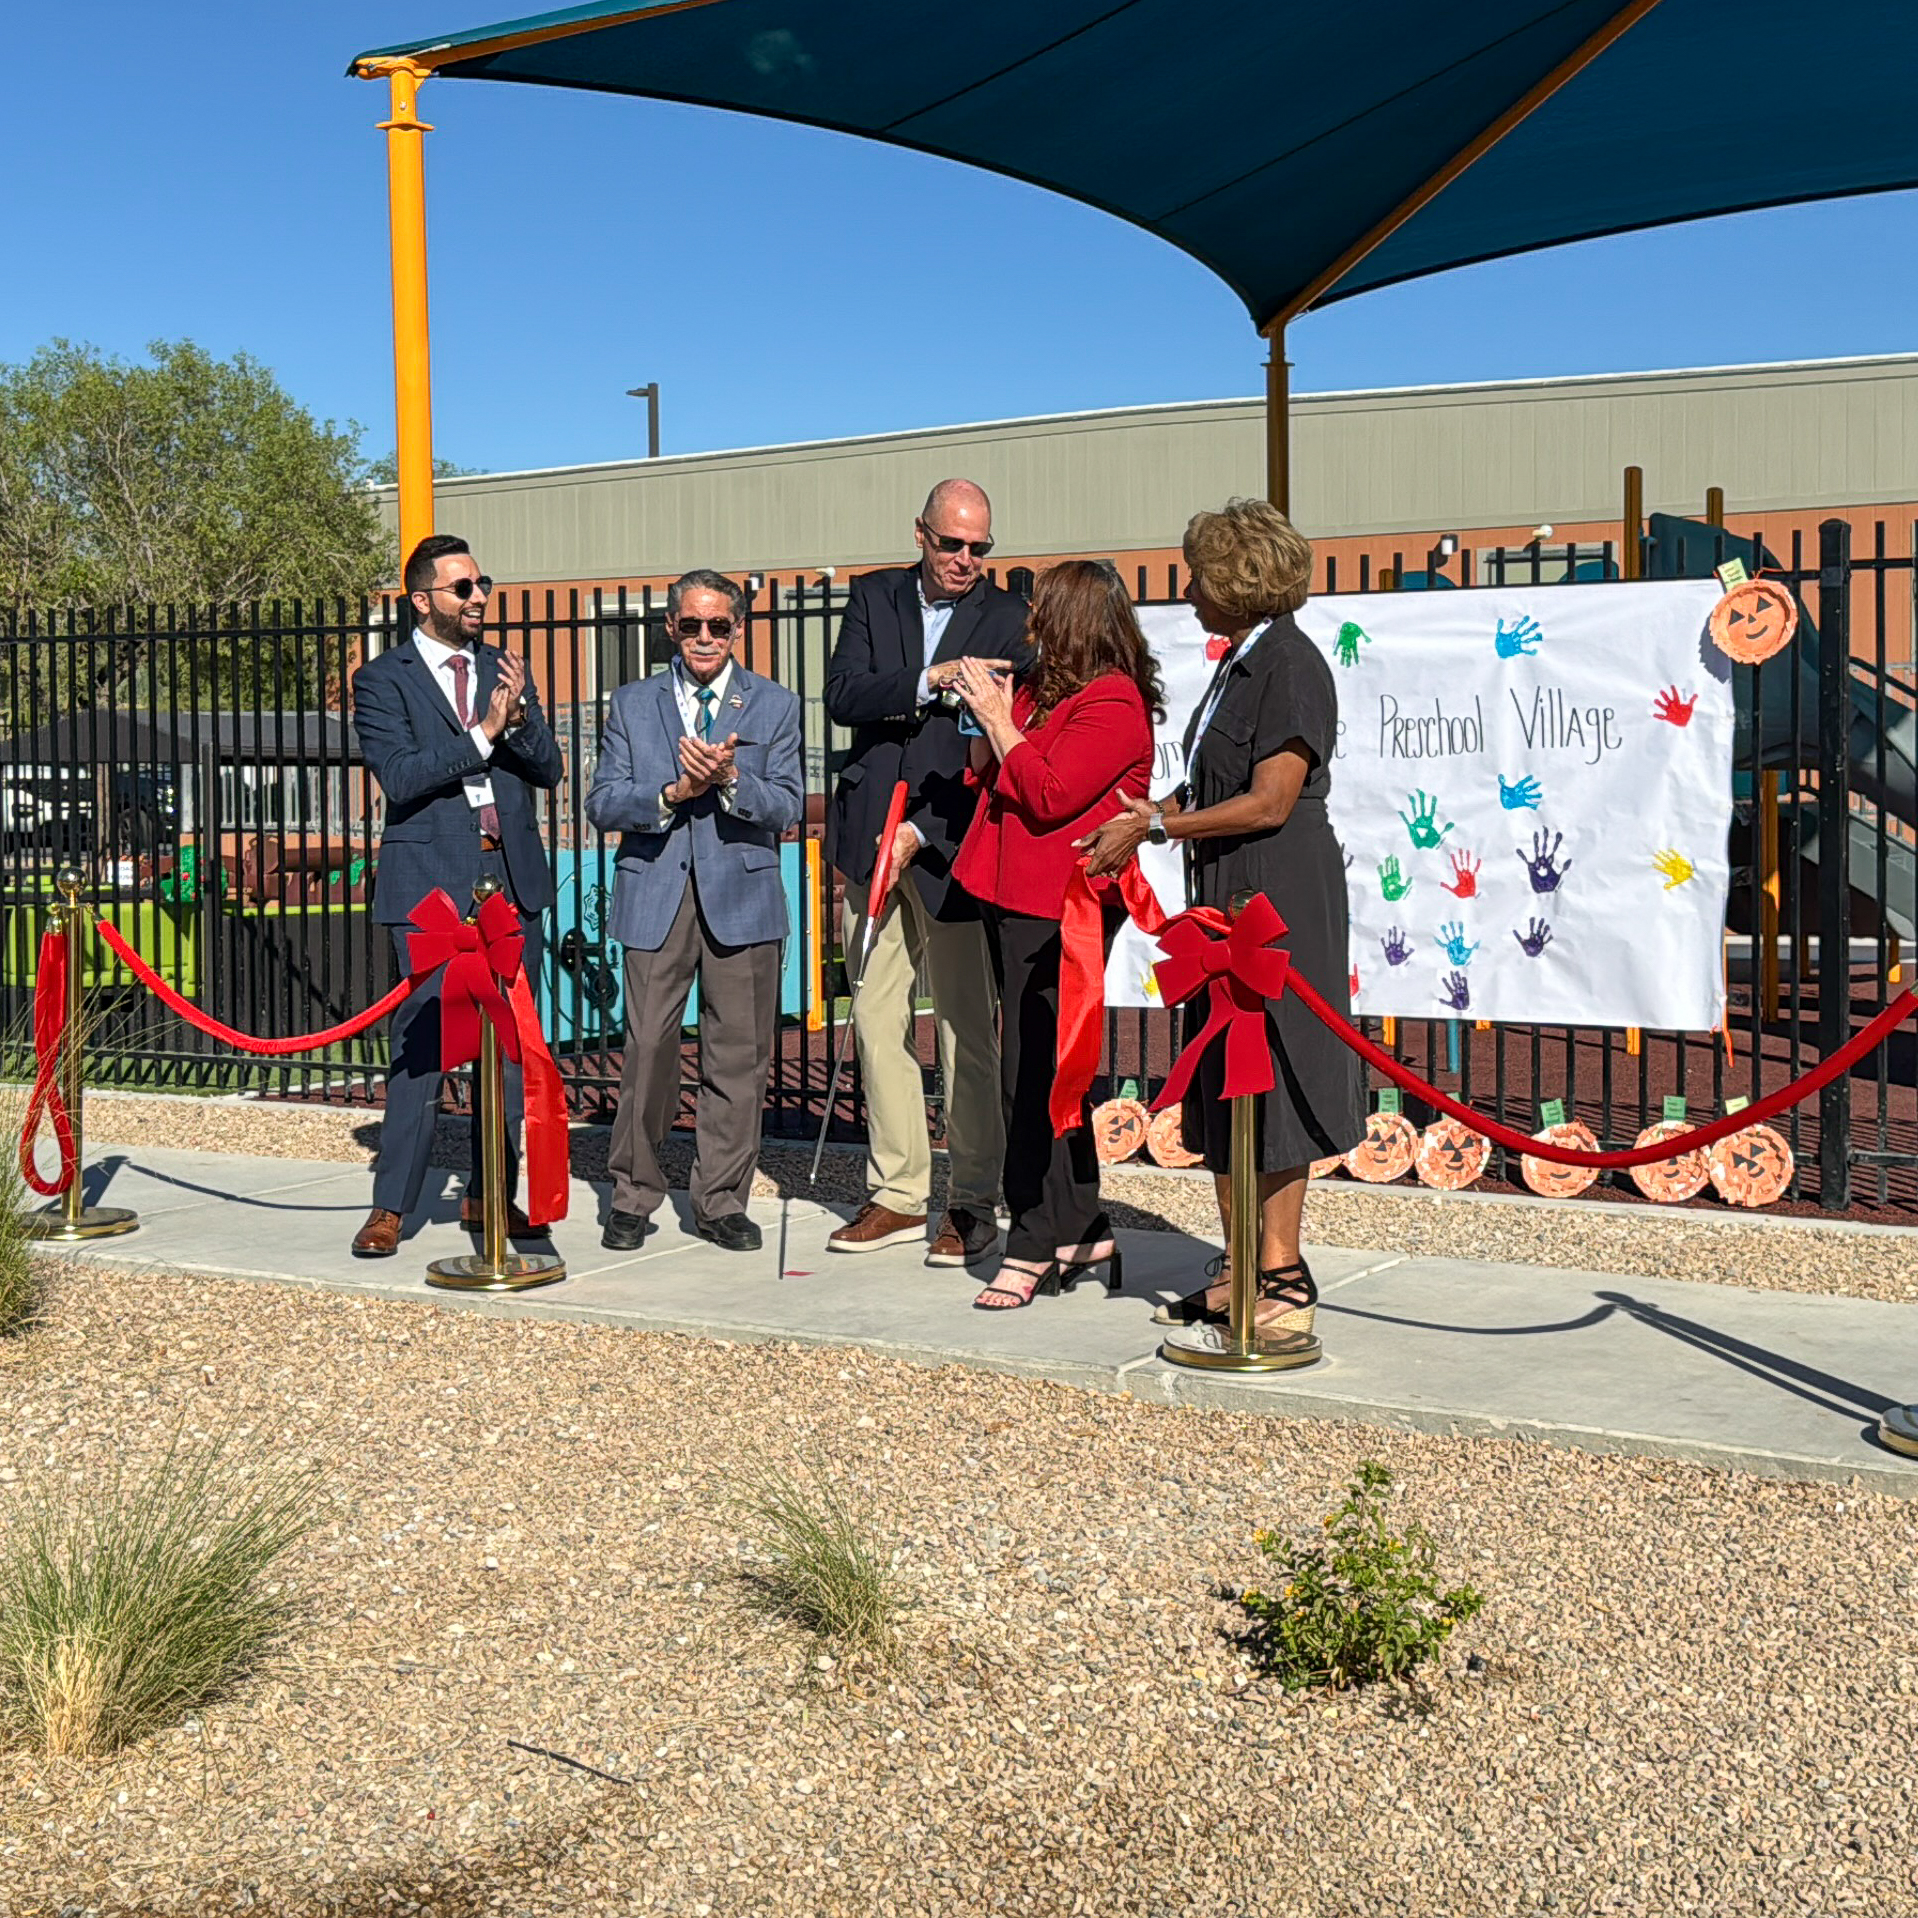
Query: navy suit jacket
x,y
732,854
414,745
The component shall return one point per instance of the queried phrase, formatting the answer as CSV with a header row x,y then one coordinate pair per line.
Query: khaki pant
x,y
958,972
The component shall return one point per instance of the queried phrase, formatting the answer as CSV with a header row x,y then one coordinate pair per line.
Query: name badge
x,y
479,792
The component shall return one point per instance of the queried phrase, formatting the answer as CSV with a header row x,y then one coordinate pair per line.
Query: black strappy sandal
x,y
1301,1294
1194,1308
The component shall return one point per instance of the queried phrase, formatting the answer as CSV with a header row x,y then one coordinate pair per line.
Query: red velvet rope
x,y
46,1099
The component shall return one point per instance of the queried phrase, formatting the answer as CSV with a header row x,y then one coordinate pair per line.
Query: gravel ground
x,y
1689,1691
1768,1254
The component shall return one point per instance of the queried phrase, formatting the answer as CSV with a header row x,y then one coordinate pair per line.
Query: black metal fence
x,y
197,765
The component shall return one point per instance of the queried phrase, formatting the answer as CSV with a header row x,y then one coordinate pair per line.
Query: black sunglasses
x,y
945,543
720,628
465,588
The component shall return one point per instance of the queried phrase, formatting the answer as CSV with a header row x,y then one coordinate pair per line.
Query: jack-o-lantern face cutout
x,y
1547,1177
1386,1152
1753,621
1165,1139
1452,1156
1670,1181
1752,1167
1118,1129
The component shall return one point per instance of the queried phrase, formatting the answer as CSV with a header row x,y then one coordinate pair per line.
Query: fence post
x,y
1834,855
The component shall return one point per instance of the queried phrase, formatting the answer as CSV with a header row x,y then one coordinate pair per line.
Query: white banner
x,y
1533,789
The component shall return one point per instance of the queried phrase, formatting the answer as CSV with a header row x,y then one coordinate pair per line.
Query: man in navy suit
x,y
699,773
452,730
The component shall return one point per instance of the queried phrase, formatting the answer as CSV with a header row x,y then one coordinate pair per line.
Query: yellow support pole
x,y
815,937
1631,565
1770,894
412,353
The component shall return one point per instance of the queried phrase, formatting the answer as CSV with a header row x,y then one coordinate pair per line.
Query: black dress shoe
x,y
734,1233
625,1231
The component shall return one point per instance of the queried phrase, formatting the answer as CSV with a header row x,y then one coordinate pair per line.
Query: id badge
x,y
479,792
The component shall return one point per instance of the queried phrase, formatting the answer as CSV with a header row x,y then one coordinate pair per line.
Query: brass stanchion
x,y
70,1219
1244,1349
496,1267
1898,1430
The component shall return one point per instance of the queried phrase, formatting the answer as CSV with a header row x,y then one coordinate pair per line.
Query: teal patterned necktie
x,y
706,698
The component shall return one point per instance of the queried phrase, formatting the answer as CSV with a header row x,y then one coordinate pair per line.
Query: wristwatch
x,y
1155,828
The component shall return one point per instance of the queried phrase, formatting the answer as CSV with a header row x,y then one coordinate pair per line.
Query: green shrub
x,y
1363,1605
126,1604
822,1566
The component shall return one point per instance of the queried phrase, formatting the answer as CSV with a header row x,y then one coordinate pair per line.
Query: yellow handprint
x,y
1675,866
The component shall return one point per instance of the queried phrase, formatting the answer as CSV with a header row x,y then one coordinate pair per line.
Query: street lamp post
x,y
650,394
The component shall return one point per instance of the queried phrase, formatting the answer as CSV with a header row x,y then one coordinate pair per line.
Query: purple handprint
x,y
1534,939
1396,950
1542,865
1456,991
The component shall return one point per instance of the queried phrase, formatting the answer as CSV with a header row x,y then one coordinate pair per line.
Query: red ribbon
x,y
1082,980
46,1100
1244,970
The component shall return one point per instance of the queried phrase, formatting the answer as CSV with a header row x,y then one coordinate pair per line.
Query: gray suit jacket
x,y
731,855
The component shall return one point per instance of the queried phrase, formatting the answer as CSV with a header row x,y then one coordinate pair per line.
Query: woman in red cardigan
x,y
1057,758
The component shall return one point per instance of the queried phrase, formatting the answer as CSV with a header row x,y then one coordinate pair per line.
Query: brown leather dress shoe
x,y
379,1237
518,1225
873,1226
964,1238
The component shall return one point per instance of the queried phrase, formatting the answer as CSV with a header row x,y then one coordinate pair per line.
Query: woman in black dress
x,y
1251,815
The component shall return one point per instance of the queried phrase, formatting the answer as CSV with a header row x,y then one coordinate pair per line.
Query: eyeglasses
x,y
465,588
720,628
945,543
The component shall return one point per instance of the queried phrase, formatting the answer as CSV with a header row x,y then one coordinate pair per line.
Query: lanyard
x,y
1216,691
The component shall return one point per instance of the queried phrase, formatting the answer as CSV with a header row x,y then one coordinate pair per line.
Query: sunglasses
x,y
945,543
720,628
465,588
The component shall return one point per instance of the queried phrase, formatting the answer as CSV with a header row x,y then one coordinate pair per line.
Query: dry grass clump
x,y
821,1565
124,1605
20,1288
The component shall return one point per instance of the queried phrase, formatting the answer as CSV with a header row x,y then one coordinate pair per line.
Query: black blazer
x,y
872,685
414,745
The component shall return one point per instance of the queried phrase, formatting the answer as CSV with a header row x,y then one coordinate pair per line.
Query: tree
x,y
189,480
385,471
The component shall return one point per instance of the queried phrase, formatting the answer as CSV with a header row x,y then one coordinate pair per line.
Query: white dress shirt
x,y
439,659
686,693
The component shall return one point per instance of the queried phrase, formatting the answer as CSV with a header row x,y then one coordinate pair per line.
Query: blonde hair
x,y
1249,559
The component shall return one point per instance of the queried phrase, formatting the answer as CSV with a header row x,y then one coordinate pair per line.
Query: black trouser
x,y
413,1081
1051,1184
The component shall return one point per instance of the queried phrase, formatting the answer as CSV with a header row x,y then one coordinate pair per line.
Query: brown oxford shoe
x,y
518,1225
964,1238
379,1237
874,1226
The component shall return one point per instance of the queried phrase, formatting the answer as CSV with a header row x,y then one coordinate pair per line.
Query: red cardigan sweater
x,y
1054,786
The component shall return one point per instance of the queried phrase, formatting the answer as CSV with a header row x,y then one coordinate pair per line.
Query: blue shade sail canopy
x,y
1267,137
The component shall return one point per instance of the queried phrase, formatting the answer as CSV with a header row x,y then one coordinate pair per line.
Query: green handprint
x,y
1392,883
1347,645
1425,832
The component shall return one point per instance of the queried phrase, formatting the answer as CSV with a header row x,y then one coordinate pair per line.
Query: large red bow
x,y
1244,970
482,957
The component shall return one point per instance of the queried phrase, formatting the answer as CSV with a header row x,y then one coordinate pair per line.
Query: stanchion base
x,y
51,1225
1898,1430
1283,1354
473,1272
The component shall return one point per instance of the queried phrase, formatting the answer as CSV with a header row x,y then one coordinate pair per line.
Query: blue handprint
x,y
1520,640
1526,792
1396,950
1534,939
1542,865
1452,938
1456,991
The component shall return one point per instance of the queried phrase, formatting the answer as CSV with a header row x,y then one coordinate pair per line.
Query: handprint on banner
x,y
1541,864
1669,707
1452,937
1518,641
1463,883
1456,990
1347,643
1216,647
1396,950
1423,824
1352,982
1392,883
1534,939
1675,867
1526,792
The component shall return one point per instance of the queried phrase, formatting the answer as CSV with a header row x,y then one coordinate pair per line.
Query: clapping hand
x,y
986,689
703,765
508,695
946,673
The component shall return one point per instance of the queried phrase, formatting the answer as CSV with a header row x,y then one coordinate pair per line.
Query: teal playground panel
x,y
584,894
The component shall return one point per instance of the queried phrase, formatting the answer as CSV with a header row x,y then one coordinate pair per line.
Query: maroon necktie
x,y
488,814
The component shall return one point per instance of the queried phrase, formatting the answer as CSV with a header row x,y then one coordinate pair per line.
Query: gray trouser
x,y
738,1004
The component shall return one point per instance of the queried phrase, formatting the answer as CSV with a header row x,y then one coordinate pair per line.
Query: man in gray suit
x,y
699,773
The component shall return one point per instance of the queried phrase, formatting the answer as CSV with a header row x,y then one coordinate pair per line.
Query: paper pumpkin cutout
x,y
1755,620
1165,1139
1324,1168
1752,1167
1451,1156
1118,1129
1386,1152
1670,1181
1551,1180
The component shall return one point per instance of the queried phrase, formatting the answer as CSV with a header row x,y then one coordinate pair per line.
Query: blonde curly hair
x,y
1248,559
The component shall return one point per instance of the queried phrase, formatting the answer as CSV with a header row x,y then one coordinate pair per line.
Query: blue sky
x,y
202,169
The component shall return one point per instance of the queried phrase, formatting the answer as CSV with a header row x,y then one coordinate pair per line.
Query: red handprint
x,y
1668,706
1353,982
1217,645
1463,883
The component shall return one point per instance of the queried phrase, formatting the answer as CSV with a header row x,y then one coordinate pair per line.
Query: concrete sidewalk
x,y
1778,1383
